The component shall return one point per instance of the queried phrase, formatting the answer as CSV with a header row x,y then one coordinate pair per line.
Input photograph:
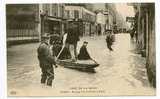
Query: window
x,y
76,14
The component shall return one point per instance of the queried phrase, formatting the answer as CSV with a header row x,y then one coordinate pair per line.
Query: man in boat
x,y
72,39
83,54
46,61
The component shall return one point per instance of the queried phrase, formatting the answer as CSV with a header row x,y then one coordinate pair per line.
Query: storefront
x,y
77,25
53,26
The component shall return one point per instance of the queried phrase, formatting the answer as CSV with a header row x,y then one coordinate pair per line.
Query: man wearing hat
x,y
46,60
83,54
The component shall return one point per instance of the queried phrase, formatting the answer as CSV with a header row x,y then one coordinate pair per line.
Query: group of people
x,y
48,53
52,48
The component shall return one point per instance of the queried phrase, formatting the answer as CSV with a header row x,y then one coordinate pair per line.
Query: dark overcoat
x,y
73,36
44,55
83,54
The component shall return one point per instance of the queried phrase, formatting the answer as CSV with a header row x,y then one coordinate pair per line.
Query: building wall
x,y
110,19
89,18
82,15
71,12
151,55
100,18
22,22
101,21
53,21
27,22
140,29
145,20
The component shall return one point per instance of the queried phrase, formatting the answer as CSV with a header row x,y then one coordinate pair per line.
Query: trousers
x,y
47,75
73,50
109,46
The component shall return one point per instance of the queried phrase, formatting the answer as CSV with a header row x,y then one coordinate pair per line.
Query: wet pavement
x,y
121,72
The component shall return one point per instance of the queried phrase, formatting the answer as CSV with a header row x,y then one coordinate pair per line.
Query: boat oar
x,y
64,41
94,60
60,52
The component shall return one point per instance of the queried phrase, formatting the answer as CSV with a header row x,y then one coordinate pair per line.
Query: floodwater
x,y
121,72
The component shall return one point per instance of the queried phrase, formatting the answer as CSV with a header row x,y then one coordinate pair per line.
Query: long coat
x,y
83,54
110,39
44,55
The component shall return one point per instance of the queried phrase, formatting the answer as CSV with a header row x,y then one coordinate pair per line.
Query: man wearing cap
x,y
46,61
83,54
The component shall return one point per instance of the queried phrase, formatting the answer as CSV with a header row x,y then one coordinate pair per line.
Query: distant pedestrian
x,y
109,40
46,61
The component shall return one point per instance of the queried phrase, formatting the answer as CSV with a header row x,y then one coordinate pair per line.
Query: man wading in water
x,y
109,40
46,61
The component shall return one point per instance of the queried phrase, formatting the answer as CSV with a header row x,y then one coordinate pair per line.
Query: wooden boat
x,y
79,64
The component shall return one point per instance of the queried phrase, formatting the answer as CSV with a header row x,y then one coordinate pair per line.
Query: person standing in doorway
x,y
46,61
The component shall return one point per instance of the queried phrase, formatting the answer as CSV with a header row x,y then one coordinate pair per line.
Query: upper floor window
x,y
76,14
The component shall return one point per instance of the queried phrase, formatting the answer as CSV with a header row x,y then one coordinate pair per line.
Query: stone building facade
x,y
145,36
82,17
52,18
22,23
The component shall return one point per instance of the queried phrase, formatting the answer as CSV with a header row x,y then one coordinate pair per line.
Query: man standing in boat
x,y
46,61
72,39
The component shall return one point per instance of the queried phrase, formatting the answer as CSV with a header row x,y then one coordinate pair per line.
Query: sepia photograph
x,y
81,49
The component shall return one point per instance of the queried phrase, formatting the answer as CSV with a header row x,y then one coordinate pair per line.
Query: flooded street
x,y
121,72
